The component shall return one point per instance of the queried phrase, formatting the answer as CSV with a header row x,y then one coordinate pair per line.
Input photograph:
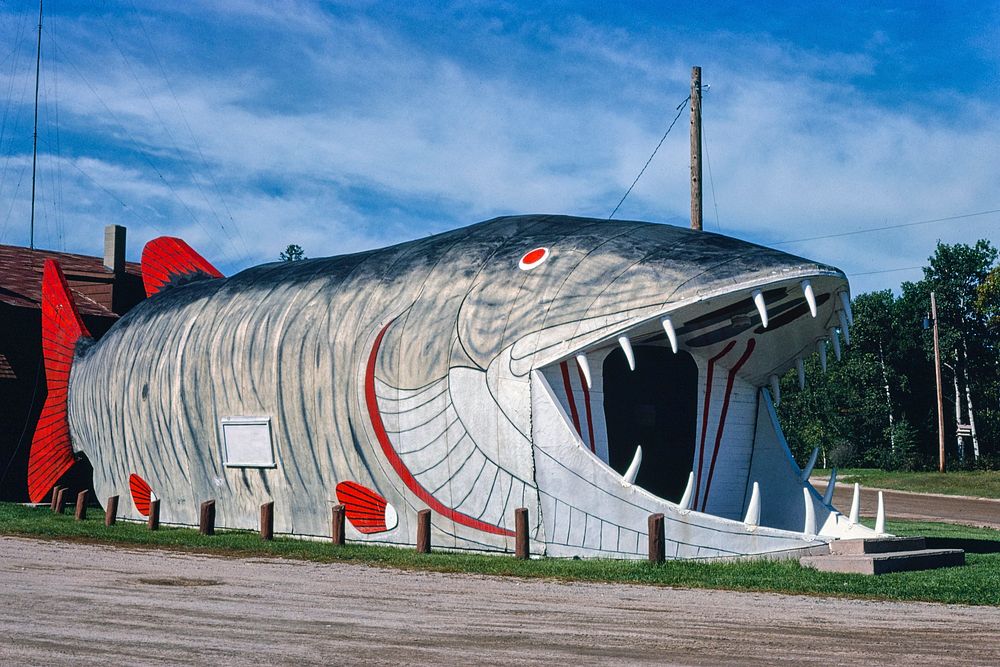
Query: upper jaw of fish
x,y
790,318
793,317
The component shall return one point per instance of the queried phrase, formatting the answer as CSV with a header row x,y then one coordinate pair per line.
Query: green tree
x,y
878,406
292,253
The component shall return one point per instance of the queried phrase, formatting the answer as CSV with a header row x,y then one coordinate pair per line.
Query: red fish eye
x,y
533,258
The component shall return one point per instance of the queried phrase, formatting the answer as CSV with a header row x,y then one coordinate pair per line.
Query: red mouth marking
x,y
396,462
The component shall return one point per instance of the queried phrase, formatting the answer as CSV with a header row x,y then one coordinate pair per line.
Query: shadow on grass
x,y
970,545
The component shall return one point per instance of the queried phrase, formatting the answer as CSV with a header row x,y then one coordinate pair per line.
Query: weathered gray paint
x,y
290,341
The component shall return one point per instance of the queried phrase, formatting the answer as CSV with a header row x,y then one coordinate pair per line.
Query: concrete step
x,y
883,563
877,545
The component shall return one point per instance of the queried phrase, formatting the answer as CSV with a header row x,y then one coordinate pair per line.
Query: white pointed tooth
x,y
855,504
880,516
804,477
845,327
581,360
845,301
776,390
807,289
835,339
800,368
627,348
828,496
668,326
633,468
758,300
753,509
685,502
821,348
810,524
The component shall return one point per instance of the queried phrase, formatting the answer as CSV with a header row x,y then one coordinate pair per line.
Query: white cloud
x,y
342,132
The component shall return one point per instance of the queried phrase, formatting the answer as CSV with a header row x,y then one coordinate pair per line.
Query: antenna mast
x,y
34,141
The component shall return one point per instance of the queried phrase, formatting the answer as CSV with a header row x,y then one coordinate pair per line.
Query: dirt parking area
x,y
80,604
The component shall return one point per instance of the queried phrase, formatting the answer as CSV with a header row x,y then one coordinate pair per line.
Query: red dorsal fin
x,y
51,451
166,259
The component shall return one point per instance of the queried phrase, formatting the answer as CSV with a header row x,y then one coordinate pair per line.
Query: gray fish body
x,y
421,372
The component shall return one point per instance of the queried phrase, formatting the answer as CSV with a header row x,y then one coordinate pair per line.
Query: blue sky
x,y
244,126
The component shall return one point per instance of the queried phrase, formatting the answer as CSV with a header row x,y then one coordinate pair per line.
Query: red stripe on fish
x,y
569,397
709,373
722,416
371,402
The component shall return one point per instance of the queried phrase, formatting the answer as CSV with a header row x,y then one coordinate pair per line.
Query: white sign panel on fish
x,y
247,442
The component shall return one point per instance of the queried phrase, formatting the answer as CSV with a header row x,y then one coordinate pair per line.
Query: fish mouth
x,y
667,398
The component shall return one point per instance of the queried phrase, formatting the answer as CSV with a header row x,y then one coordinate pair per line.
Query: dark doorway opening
x,y
655,406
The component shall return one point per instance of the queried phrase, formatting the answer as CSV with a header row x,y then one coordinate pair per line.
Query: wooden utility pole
x,y
937,377
696,218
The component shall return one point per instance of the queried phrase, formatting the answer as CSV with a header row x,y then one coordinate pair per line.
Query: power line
x,y
887,227
869,273
680,108
711,179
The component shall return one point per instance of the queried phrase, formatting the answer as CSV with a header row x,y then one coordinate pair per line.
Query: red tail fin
x,y
51,451
166,258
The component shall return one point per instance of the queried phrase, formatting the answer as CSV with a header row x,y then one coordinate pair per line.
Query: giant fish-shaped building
x,y
594,372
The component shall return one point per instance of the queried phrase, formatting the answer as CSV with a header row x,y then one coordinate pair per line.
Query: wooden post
x,y
55,497
154,514
521,533
337,526
206,523
111,513
424,531
61,500
267,521
937,377
696,215
657,546
81,505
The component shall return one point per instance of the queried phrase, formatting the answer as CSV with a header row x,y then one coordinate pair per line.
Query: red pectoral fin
x,y
166,259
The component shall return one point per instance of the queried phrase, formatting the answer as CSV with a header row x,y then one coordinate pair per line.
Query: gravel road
x,y
81,604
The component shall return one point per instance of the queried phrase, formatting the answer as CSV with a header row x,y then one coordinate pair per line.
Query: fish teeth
x,y
581,360
668,327
758,300
821,348
776,390
627,348
633,468
807,290
844,326
800,368
835,339
845,301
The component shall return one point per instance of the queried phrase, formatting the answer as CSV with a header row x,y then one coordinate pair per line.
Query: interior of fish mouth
x,y
655,406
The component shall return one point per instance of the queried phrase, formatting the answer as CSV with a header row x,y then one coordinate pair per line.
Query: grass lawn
x,y
977,583
978,483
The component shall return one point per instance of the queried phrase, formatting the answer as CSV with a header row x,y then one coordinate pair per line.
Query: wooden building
x,y
104,288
